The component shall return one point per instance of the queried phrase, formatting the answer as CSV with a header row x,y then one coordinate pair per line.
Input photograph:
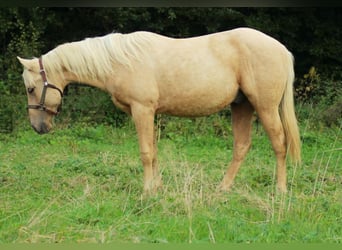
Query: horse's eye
x,y
30,90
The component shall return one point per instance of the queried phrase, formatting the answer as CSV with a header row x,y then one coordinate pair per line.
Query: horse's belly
x,y
191,111
196,103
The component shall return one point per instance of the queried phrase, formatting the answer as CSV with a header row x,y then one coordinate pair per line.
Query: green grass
x,y
84,184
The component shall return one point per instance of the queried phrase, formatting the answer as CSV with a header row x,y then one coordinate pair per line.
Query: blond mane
x,y
94,58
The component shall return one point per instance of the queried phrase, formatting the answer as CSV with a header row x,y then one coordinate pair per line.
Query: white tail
x,y
288,116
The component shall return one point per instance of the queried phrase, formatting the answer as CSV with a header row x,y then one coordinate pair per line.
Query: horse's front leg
x,y
144,122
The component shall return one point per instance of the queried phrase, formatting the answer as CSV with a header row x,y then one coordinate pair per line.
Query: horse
x,y
147,74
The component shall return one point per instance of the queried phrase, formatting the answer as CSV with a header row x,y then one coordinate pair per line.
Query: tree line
x,y
313,35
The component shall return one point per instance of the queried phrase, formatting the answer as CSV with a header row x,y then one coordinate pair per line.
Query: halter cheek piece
x,y
41,106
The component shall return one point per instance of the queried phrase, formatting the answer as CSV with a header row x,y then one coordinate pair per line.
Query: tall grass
x,y
84,184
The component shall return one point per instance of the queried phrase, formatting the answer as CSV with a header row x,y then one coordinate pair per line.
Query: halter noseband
x,y
41,106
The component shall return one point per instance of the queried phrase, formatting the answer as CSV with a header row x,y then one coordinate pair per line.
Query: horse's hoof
x,y
224,187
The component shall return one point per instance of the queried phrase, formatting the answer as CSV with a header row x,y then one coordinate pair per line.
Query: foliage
x,y
307,86
323,94
313,88
21,31
332,116
91,106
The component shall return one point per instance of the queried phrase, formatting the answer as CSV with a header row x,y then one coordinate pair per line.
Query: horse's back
x,y
229,49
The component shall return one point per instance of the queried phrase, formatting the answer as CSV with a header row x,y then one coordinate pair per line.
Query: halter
x,y
41,106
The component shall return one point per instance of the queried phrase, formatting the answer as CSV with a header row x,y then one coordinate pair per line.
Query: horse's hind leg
x,y
242,115
270,119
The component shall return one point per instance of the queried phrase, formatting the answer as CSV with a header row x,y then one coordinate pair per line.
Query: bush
x,y
332,116
306,88
90,105
6,117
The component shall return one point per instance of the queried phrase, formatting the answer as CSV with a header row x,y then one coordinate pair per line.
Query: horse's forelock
x,y
29,80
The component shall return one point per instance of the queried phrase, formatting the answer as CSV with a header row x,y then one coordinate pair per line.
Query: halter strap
x,y
42,70
41,106
44,78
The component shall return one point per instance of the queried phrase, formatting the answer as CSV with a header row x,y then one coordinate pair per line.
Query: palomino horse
x,y
146,74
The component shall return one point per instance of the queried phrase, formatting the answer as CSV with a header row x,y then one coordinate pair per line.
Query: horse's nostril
x,y
42,129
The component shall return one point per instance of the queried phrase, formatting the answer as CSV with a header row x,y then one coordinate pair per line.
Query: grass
x,y
84,184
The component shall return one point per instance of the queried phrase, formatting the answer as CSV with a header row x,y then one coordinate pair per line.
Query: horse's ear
x,y
27,63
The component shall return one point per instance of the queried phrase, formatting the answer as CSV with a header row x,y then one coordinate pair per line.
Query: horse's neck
x,y
72,78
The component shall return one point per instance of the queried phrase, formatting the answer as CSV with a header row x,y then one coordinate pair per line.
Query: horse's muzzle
x,y
41,129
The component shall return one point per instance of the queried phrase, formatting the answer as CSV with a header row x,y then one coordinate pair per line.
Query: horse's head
x,y
44,98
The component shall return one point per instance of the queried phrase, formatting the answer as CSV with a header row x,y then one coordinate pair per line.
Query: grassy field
x,y
84,184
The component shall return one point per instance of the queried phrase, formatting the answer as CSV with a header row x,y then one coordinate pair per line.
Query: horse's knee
x,y
146,158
